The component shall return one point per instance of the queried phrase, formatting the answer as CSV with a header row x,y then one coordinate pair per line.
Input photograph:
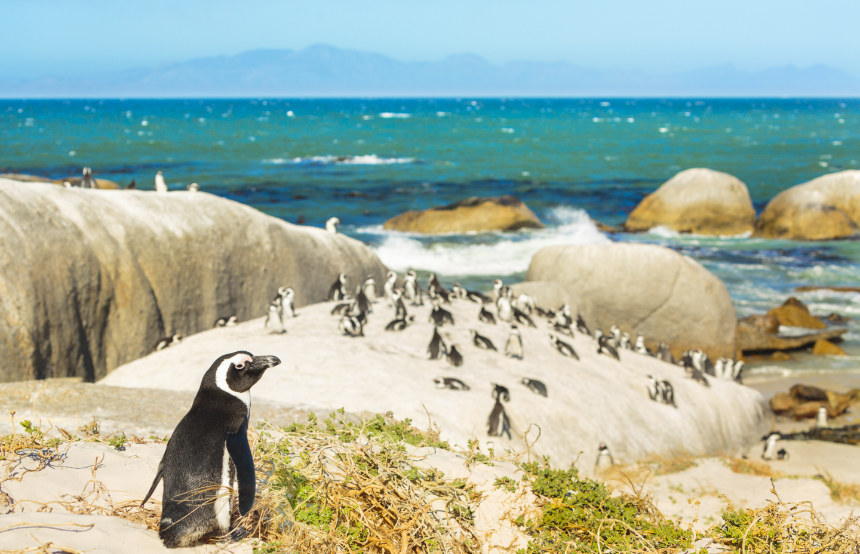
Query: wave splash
x,y
486,254
370,159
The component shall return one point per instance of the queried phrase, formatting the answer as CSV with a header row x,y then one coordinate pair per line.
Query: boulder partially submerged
x,y
699,200
472,215
92,279
787,327
644,289
822,209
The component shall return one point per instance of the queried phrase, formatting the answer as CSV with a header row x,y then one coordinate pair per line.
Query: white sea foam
x,y
395,115
506,255
371,159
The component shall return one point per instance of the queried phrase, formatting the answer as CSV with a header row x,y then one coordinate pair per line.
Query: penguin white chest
x,y
222,498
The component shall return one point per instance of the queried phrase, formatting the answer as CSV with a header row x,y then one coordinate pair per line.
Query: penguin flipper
x,y
240,453
158,475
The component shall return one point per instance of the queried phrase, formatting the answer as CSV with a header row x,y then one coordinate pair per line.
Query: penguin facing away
x,y
208,451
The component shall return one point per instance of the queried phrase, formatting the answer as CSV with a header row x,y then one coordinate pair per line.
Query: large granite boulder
x,y
91,279
644,289
475,214
822,209
700,201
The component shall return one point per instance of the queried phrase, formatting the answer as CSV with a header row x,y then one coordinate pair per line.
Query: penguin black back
x,y
207,451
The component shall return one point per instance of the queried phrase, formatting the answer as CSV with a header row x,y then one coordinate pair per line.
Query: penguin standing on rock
x,y
208,454
388,287
604,457
514,345
160,185
436,349
337,291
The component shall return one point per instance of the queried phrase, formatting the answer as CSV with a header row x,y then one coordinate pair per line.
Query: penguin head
x,y
239,371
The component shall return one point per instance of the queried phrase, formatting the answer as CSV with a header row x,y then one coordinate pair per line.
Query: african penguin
x,y
769,450
331,224
275,313
514,344
821,417
193,187
87,180
454,356
288,302
208,452
450,383
604,347
351,326
168,341
581,326
522,317
667,392
562,347
481,341
369,288
534,385
498,423
440,316
399,305
399,324
436,349
388,287
504,309
486,316
501,392
160,185
337,290
604,457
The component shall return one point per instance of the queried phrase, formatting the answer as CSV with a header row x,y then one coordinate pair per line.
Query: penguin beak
x,y
261,363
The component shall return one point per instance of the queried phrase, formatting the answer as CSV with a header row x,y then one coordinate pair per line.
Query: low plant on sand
x,y
781,527
581,515
331,485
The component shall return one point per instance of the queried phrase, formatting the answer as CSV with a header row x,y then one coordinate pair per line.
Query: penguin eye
x,y
240,366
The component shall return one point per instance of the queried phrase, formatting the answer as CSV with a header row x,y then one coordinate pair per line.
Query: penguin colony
x,y
160,185
501,308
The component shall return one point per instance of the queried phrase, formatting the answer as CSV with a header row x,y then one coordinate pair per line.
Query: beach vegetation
x,y
336,484
843,493
784,527
579,514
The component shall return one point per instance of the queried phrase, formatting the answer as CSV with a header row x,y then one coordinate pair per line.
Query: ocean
x,y
572,161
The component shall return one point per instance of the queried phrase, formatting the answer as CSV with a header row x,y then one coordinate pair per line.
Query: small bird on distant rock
x,y
160,185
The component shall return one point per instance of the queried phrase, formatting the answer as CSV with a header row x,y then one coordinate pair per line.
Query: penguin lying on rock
x,y
196,502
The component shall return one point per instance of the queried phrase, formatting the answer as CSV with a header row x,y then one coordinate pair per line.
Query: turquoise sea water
x,y
571,160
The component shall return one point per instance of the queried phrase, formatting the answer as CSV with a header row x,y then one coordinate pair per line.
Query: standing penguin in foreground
x,y
208,452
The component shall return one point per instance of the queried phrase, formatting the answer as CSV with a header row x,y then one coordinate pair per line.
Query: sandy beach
x,y
143,401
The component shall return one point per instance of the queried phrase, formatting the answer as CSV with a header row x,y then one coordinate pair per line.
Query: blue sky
x,y
60,37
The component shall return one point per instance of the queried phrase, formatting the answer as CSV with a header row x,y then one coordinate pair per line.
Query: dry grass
x,y
338,487
844,493
750,467
668,466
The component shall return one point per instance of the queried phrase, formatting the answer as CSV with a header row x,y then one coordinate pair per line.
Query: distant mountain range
x,y
323,70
